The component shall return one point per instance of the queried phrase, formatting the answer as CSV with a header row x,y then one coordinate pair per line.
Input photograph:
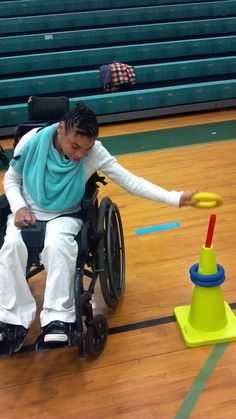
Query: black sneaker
x,y
55,334
12,338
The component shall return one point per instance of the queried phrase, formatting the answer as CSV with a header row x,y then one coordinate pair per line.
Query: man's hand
x,y
186,198
24,218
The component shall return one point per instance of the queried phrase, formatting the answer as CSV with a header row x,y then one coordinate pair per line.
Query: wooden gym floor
x,y
145,371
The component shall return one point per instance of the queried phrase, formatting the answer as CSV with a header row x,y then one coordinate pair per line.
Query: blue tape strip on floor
x,y
160,227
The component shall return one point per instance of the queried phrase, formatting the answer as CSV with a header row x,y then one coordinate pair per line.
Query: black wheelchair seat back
x,y
44,108
3,157
42,111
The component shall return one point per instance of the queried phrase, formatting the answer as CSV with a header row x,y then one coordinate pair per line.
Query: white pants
x,y
17,304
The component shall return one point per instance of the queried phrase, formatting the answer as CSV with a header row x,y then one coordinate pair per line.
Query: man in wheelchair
x,y
46,181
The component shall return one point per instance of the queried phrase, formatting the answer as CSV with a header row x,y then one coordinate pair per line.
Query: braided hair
x,y
82,121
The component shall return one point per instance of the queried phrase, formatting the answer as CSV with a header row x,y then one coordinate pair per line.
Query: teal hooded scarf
x,y
54,182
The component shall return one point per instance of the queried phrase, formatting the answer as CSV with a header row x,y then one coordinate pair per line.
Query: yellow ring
x,y
206,200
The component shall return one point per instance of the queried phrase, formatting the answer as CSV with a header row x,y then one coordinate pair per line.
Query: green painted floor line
x,y
201,380
166,138
171,137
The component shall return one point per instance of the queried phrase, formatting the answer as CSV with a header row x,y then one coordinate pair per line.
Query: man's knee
x,y
14,240
61,244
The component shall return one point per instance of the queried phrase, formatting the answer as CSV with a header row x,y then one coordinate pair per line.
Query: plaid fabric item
x,y
121,73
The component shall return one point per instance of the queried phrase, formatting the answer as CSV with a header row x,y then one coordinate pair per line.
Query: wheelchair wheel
x,y
111,253
96,336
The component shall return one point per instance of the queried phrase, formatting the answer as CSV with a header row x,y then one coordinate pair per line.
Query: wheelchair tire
x,y
111,253
96,336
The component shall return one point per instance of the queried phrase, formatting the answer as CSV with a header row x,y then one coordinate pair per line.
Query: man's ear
x,y
61,127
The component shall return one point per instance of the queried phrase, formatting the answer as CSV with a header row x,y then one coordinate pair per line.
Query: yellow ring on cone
x,y
207,200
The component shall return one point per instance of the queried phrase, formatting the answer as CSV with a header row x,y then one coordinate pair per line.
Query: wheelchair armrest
x,y
91,190
4,210
3,201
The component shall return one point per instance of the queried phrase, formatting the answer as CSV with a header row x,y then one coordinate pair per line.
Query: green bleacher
x,y
138,53
56,21
183,51
37,7
195,93
116,35
84,80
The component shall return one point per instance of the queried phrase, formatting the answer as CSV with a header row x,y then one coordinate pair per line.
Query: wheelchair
x,y
101,254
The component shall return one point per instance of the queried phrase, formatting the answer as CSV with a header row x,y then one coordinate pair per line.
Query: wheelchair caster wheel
x,y
96,336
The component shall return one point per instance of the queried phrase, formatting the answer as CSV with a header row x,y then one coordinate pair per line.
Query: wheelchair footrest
x,y
45,339
12,338
41,345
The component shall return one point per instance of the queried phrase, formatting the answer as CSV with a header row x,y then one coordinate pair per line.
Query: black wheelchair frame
x,y
101,253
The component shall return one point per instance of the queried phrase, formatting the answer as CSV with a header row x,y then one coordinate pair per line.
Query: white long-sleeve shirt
x,y
98,159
